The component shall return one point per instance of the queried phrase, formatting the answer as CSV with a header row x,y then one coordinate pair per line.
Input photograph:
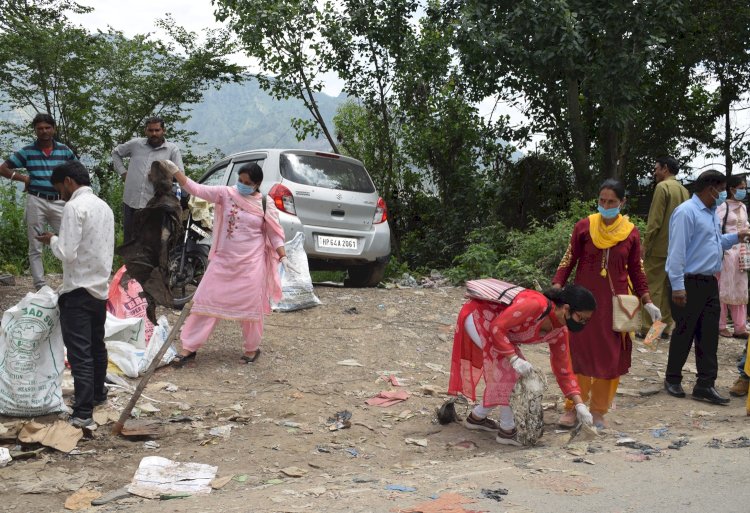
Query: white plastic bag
x,y
31,357
296,287
125,346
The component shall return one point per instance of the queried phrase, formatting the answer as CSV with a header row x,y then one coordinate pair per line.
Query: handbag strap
x,y
617,296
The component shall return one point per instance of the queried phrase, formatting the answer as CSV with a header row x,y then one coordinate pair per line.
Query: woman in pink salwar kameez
x,y
242,276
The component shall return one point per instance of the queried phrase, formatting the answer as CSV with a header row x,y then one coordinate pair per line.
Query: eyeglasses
x,y
580,318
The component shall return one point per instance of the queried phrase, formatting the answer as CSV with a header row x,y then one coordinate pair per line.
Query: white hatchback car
x,y
328,197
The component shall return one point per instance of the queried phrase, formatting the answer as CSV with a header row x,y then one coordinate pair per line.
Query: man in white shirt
x,y
85,246
142,152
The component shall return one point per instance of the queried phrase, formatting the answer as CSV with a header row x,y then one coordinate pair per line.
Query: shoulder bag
x,y
625,309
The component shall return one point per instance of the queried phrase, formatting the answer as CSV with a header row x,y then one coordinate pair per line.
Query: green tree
x,y
580,66
100,87
285,39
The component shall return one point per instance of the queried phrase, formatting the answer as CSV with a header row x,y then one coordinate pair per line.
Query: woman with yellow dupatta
x,y
603,246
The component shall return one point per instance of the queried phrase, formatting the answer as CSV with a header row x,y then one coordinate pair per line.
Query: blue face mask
x,y
245,190
609,213
722,198
740,194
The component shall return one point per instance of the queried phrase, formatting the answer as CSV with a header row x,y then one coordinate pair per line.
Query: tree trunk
x,y
580,154
610,151
727,137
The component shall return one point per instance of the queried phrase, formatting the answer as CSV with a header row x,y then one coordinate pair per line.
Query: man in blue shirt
x,y
696,248
43,203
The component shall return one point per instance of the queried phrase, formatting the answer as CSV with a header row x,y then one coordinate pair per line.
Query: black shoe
x,y
710,395
674,389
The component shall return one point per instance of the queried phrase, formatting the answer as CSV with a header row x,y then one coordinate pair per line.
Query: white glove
x,y
653,311
584,415
287,266
171,167
521,366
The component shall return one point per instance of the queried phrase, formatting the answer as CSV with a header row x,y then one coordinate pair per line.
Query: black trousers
x,y
697,321
82,319
128,218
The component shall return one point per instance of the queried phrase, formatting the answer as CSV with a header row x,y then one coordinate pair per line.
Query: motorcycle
x,y
188,262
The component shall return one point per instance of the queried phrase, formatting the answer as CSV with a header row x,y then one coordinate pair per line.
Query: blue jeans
x,y
741,366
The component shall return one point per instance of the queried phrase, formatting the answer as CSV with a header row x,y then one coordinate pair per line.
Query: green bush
x,y
528,258
15,246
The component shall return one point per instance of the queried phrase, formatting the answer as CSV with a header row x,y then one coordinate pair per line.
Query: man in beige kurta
x,y
668,194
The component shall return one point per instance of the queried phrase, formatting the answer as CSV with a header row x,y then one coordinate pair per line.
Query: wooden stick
x,y
117,428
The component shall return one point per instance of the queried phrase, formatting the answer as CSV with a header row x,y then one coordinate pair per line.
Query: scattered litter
x,y
446,503
657,328
361,480
157,476
388,398
464,444
148,408
290,424
737,443
5,457
81,499
275,481
701,413
221,431
136,428
447,412
428,390
350,363
679,443
151,444
169,387
583,432
400,488
659,432
342,420
353,452
293,472
240,478
114,495
496,494
60,435
170,496
634,444
582,460
220,482
436,367
526,403
392,379
352,310
421,442
628,392
636,456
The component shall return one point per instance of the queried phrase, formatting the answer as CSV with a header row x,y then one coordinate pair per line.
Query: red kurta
x,y
502,329
598,351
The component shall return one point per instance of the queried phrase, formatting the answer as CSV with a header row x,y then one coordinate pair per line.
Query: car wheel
x,y
368,275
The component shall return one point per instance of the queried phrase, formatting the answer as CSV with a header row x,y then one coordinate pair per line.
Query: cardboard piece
x,y
60,435
157,476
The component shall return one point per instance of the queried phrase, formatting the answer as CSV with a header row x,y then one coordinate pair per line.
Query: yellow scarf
x,y
605,236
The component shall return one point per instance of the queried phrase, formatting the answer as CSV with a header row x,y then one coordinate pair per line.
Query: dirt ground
x,y
278,409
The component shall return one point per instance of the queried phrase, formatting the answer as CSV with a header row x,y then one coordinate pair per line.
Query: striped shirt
x,y
40,166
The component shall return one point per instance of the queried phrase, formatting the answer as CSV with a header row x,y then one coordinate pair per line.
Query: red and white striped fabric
x,y
491,289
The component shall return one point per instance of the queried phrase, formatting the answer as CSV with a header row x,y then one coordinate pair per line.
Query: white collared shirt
x,y
86,243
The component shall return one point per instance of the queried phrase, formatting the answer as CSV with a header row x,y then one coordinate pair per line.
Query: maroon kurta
x,y
597,351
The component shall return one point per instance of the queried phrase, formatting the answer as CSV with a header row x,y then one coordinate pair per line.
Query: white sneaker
x,y
83,423
508,437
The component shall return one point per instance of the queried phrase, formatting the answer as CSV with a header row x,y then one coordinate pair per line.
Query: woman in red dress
x,y
487,345
604,246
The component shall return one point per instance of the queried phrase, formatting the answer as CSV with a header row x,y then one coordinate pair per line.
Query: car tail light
x,y
381,212
283,199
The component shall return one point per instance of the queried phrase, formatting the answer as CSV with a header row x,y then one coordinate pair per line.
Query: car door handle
x,y
338,213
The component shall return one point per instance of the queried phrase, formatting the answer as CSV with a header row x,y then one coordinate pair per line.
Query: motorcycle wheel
x,y
183,285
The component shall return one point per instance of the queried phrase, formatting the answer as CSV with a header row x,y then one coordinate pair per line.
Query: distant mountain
x,y
242,116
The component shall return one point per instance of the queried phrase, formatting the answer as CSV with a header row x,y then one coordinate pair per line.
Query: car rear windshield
x,y
329,173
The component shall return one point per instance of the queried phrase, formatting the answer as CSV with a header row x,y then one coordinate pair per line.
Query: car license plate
x,y
326,241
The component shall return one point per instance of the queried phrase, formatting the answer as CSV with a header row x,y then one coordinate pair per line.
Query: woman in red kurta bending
x,y
603,246
487,345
